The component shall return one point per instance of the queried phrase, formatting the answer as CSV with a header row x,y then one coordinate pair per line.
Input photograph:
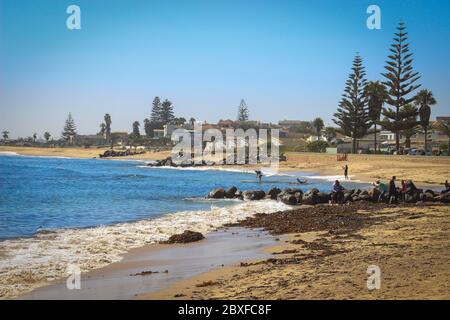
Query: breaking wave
x,y
28,263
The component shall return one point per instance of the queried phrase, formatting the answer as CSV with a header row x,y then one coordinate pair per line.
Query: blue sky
x,y
287,59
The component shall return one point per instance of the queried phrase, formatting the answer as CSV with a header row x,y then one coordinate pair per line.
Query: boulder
x,y
185,237
347,197
273,192
309,198
217,194
323,197
289,199
429,196
313,190
299,197
231,193
445,197
254,194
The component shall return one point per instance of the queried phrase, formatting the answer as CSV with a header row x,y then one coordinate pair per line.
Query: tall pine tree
x,y
70,129
352,114
243,112
155,116
400,83
166,113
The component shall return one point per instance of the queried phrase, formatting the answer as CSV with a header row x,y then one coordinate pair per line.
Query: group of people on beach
x,y
387,193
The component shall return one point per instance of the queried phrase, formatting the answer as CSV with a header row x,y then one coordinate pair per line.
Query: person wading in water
x,y
259,175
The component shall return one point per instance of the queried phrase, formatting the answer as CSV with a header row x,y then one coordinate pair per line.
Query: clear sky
x,y
287,59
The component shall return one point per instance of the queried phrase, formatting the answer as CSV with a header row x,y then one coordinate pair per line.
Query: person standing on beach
x,y
382,188
259,175
392,190
345,172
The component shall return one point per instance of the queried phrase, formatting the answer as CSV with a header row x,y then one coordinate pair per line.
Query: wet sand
x,y
328,252
131,277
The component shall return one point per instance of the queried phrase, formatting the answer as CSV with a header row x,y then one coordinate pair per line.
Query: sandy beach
x,y
324,253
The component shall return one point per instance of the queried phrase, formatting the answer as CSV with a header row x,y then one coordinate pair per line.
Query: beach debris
x,y
144,273
185,237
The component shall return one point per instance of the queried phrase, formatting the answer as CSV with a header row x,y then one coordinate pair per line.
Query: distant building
x,y
442,118
314,138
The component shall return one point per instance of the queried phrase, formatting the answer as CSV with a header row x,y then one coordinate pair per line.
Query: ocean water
x,y
48,193
57,211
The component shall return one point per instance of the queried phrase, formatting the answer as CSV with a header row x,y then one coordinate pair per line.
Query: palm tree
x,y
444,127
34,137
318,126
424,100
5,135
376,94
47,136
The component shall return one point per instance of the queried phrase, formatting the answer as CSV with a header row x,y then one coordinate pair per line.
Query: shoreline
x,y
423,170
153,267
237,168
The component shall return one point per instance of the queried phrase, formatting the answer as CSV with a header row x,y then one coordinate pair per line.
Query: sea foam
x,y
28,263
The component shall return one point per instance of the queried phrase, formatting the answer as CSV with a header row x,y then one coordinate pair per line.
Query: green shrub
x,y
317,146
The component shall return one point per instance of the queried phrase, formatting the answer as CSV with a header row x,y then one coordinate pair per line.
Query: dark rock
x,y
185,237
231,193
274,192
429,196
217,194
445,197
299,197
254,194
323,197
289,199
309,198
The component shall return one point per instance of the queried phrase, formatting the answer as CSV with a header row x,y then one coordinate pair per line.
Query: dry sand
x,y
84,153
410,245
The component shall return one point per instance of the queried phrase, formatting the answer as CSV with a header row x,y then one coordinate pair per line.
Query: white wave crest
x,y
28,263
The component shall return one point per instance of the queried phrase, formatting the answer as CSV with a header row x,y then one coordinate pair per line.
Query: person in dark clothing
x,y
345,172
258,175
392,190
447,186
337,193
